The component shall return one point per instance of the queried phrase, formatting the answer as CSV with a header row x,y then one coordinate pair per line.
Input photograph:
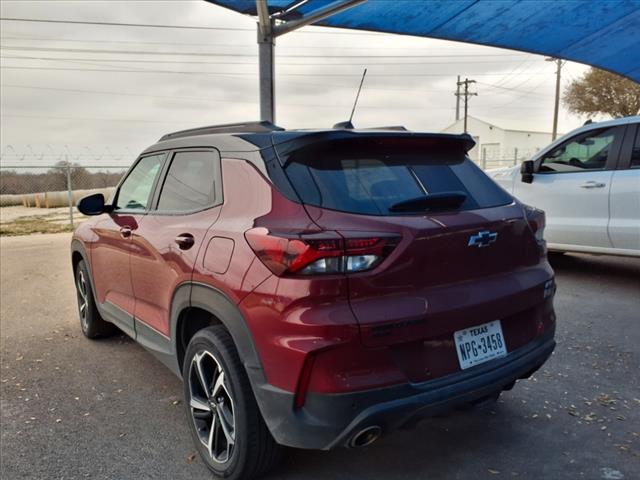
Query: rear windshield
x,y
372,182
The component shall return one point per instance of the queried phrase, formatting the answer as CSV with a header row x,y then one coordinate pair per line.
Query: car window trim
x,y
612,156
633,130
153,187
219,191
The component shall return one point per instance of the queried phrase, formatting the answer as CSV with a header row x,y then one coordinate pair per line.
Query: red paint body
x,y
390,325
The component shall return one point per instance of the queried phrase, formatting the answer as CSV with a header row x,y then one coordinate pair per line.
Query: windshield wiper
x,y
435,201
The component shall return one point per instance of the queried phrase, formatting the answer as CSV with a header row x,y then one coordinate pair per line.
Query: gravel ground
x,y
73,408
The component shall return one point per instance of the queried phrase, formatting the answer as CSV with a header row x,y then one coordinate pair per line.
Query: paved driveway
x,y
73,408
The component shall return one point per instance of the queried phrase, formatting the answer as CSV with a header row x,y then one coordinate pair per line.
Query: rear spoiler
x,y
375,140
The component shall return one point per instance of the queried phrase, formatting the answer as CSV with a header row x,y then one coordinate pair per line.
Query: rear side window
x,y
192,182
374,182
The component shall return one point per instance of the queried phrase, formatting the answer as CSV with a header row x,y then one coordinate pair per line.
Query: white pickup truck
x,y
588,183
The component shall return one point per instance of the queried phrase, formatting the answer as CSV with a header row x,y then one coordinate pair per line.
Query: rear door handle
x,y
593,184
125,232
185,241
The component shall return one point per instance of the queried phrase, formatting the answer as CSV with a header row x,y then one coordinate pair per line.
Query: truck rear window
x,y
372,182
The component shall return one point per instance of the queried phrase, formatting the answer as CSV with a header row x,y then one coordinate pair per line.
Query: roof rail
x,y
243,127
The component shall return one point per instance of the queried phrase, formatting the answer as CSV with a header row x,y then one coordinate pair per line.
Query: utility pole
x,y
457,94
466,94
556,106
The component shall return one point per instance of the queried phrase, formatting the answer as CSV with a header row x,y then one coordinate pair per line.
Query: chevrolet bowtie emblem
x,y
482,239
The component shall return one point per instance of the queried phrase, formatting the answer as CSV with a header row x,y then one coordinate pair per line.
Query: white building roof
x,y
461,121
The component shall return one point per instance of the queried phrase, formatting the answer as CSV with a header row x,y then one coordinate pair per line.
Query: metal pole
x,y
266,43
267,73
556,106
515,156
69,195
321,13
466,102
267,33
458,99
484,158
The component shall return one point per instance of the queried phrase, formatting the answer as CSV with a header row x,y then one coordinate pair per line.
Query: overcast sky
x,y
48,105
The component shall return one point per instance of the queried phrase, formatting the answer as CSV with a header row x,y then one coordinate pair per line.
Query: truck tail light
x,y
318,254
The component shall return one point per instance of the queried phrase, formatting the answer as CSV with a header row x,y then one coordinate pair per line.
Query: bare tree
x,y
600,92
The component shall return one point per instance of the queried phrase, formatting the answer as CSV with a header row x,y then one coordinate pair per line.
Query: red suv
x,y
316,289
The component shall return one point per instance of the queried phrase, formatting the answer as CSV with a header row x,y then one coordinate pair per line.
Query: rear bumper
x,y
330,420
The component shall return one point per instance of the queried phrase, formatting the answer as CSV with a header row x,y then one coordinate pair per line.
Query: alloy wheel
x,y
83,299
212,406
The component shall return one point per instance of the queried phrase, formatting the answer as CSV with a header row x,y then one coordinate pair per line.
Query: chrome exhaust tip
x,y
365,437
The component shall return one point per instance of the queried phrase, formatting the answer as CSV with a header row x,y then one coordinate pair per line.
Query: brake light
x,y
317,254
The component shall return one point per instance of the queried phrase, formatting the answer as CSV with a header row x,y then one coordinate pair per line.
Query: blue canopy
x,y
601,33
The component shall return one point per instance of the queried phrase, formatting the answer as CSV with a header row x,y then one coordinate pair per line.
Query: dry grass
x,y
33,224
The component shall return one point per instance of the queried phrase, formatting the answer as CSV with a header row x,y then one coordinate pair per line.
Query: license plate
x,y
480,344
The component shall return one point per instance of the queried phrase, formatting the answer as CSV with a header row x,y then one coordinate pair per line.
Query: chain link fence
x,y
40,184
488,158
48,194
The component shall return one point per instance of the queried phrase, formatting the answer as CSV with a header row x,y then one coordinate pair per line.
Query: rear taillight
x,y
537,222
318,254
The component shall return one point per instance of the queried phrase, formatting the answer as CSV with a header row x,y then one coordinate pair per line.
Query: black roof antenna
x,y
348,125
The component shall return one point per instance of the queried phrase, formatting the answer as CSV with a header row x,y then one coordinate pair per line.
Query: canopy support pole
x,y
267,33
266,51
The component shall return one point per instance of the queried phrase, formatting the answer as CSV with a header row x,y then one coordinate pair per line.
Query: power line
x,y
52,117
210,62
510,102
126,42
512,89
125,94
293,81
150,25
201,98
119,24
528,77
521,67
176,122
181,97
233,44
229,54
240,74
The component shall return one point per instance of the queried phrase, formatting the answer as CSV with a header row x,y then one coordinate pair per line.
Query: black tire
x,y
240,446
91,323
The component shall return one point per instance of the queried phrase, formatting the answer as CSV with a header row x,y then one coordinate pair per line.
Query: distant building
x,y
500,145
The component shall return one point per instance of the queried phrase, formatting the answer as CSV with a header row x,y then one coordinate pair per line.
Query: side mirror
x,y
526,170
93,205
